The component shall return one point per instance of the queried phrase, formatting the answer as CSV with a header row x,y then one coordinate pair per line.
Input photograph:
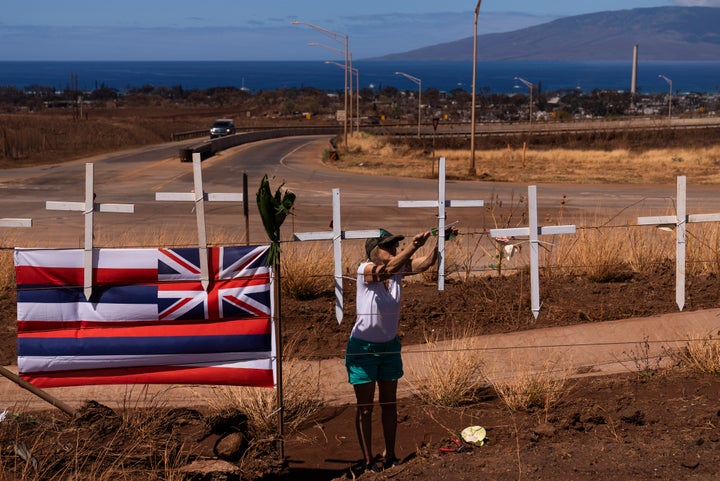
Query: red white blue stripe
x,y
149,320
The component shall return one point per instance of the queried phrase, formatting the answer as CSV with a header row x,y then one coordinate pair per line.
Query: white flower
x,y
509,250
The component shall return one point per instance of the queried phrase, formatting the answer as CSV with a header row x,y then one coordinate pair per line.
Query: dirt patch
x,y
620,428
649,425
493,305
624,428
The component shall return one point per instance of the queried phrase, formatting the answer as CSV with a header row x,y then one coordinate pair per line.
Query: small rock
x,y
545,429
631,416
211,469
231,447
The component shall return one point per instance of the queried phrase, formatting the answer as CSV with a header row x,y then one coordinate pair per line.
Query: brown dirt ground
x,y
638,426
658,424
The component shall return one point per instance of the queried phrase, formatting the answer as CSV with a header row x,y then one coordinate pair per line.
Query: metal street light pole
x,y
340,38
669,101
349,113
474,76
419,84
529,85
357,93
357,90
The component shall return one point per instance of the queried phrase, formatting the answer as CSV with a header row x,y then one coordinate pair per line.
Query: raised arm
x,y
379,271
421,264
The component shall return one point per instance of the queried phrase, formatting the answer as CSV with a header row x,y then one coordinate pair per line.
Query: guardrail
x,y
211,147
190,134
447,129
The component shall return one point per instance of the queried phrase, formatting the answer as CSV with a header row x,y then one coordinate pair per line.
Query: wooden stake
x,y
37,391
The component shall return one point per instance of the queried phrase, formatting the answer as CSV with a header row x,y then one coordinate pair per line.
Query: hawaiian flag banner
x,y
149,319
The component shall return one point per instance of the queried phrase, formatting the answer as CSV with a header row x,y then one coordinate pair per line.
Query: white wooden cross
x,y
88,208
533,231
336,235
10,222
441,203
679,221
199,196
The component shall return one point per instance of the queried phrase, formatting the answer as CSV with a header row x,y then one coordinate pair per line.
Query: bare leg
x,y
388,405
365,394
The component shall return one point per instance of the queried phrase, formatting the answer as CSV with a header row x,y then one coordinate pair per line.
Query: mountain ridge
x,y
661,33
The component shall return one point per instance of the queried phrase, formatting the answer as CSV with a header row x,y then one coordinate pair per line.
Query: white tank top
x,y
378,307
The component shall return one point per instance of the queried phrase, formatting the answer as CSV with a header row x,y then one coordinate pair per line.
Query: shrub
x,y
449,373
700,354
306,270
531,387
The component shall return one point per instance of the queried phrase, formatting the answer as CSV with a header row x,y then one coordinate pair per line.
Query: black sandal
x,y
391,463
373,468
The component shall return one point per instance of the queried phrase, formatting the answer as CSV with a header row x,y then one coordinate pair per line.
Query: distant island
x,y
661,33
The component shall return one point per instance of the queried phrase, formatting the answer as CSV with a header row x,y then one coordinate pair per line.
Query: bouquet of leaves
x,y
274,208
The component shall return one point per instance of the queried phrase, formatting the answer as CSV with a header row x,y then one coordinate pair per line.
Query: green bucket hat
x,y
386,238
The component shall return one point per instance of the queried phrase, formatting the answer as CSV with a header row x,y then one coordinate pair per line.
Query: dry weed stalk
x,y
702,254
105,446
599,254
527,387
647,247
465,255
645,358
301,399
700,354
449,373
306,269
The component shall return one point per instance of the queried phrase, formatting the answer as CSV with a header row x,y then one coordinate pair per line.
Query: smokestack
x,y
633,82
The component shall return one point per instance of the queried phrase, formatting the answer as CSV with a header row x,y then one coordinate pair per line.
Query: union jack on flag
x,y
149,319
239,284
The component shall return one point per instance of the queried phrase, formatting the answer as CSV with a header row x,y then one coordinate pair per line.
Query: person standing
x,y
373,351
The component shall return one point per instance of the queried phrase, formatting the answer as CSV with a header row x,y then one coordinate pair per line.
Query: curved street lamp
x,y
357,90
474,76
342,39
419,84
529,85
669,101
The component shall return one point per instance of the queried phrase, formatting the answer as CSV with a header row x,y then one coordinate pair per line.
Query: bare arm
x,y
421,264
381,272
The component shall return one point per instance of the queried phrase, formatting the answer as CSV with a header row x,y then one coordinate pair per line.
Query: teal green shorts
x,y
373,361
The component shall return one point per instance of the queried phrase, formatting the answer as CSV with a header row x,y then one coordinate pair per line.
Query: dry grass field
x,y
616,164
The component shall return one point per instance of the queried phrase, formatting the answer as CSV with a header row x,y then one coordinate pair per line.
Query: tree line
x,y
387,102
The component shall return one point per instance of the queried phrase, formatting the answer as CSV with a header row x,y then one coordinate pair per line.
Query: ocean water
x,y
492,77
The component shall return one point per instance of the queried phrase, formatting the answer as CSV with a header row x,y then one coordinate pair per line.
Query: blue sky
x,y
244,30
